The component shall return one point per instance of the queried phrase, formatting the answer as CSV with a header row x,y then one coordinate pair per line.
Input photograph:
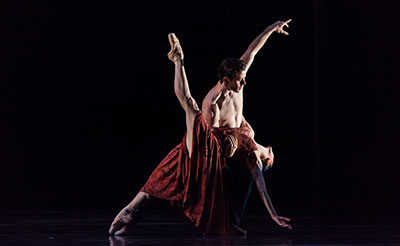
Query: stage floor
x,y
163,227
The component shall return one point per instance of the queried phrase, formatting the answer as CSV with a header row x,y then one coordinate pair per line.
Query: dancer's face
x,y
237,82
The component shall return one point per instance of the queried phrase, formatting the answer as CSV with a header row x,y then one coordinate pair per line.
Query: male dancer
x,y
223,108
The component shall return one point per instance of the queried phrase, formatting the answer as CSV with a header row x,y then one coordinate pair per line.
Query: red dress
x,y
196,184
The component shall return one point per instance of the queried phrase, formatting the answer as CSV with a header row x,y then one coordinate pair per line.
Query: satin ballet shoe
x,y
176,52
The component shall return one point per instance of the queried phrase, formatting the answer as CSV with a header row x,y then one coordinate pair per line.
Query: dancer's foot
x,y
237,230
176,53
120,222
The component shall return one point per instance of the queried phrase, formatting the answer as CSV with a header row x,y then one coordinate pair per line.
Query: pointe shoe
x,y
176,52
125,221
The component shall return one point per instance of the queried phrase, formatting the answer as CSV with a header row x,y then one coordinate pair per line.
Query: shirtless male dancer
x,y
223,107
204,214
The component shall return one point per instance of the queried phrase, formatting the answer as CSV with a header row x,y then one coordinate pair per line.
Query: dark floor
x,y
166,228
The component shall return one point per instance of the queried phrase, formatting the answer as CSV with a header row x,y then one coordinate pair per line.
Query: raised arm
x,y
259,42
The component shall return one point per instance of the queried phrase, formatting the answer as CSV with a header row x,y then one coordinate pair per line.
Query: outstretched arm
x,y
259,42
253,162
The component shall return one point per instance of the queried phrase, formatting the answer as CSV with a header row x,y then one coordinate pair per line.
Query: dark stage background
x,y
88,108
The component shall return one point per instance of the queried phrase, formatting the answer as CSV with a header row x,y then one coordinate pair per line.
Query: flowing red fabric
x,y
196,184
245,144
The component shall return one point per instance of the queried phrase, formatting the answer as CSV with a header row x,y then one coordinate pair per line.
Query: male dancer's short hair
x,y
229,67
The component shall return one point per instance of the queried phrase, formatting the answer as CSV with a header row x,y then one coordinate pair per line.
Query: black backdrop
x,y
88,109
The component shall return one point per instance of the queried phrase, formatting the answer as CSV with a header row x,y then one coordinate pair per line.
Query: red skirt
x,y
196,184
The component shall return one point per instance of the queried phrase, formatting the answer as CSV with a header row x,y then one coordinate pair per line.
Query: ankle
x,y
179,63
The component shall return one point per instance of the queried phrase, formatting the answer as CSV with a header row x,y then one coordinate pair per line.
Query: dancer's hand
x,y
278,26
282,221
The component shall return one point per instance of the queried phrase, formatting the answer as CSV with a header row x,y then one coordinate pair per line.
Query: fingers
x,y
284,218
283,24
282,222
286,225
280,30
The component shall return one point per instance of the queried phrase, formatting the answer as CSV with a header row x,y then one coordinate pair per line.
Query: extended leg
x,y
181,87
126,216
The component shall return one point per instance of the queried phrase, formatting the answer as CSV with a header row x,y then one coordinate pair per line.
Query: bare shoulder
x,y
212,95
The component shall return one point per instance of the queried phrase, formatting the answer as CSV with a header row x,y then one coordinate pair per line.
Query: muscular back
x,y
223,109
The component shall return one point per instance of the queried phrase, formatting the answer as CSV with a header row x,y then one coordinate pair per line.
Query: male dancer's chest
x,y
231,109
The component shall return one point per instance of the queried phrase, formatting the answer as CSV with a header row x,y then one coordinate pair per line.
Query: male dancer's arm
x,y
210,108
259,42
253,49
246,124
249,55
